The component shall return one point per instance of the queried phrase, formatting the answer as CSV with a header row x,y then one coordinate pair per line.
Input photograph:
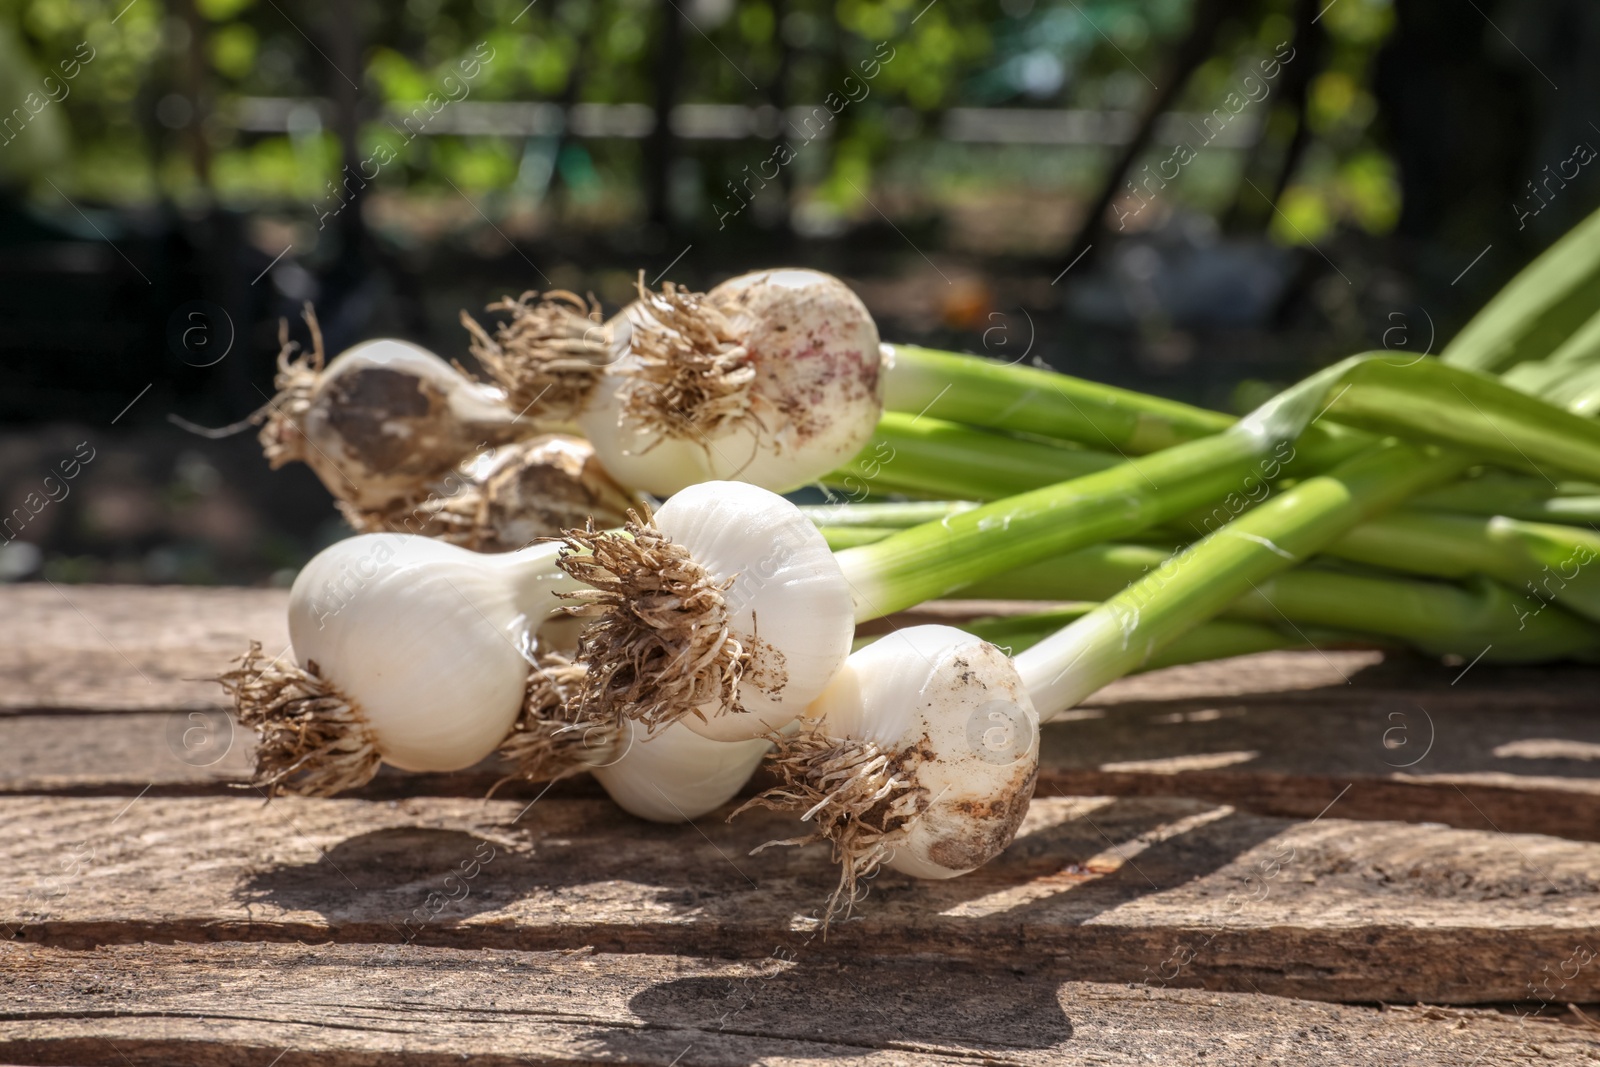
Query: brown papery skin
x,y
377,424
515,496
375,435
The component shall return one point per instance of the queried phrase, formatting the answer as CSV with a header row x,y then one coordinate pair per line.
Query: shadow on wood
x,y
850,1007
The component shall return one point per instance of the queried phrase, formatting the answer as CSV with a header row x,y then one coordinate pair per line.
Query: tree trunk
x,y
1190,53
658,149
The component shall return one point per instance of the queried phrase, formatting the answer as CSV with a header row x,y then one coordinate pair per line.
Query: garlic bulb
x,y
921,755
675,774
410,652
544,486
725,610
508,497
382,419
770,378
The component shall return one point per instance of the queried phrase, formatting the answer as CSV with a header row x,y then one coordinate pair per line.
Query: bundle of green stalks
x,y
1491,560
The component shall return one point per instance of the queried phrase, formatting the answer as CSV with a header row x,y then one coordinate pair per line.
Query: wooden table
x,y
1321,858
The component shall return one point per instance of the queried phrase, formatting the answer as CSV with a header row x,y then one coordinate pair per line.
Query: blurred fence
x,y
732,122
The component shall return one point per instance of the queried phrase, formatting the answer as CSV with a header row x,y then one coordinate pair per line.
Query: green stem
x,y
1548,562
1481,618
1426,399
889,516
1205,578
1569,376
841,537
1432,401
1517,496
1538,309
1579,349
982,392
1423,399
1429,615
928,561
925,456
1217,639
1495,492
1541,561
1098,572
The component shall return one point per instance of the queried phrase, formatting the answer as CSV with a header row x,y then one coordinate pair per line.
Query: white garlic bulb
x,y
675,775
771,378
921,755
410,652
727,612
672,775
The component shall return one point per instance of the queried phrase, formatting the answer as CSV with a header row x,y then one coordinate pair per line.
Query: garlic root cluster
x,y
724,610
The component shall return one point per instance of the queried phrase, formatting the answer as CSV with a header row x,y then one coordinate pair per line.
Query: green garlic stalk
x,y
1124,631
1426,400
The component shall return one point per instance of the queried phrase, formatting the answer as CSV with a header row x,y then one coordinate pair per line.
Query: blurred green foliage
x,y
156,113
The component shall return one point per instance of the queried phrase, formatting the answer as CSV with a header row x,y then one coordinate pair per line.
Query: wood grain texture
x,y
1163,892
113,648
256,1004
153,912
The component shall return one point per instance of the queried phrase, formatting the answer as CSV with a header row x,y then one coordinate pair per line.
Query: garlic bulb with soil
x,y
380,421
772,378
408,651
724,610
921,756
508,497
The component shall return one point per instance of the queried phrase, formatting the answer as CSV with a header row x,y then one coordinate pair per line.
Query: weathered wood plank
x,y
93,648
1462,758
1164,892
1531,772
190,753
254,1004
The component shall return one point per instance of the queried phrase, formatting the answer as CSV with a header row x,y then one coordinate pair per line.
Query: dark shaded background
x,y
159,219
